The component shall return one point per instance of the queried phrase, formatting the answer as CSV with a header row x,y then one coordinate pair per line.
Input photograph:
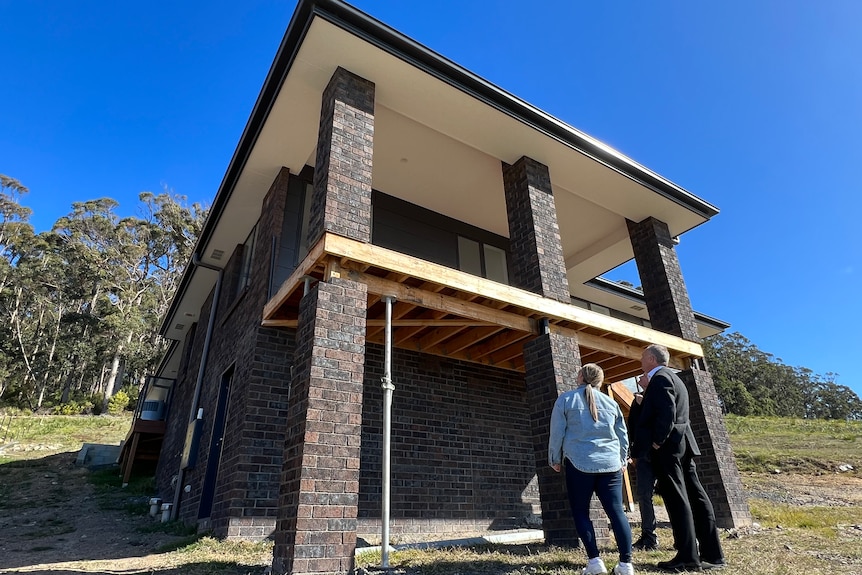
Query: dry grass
x,y
825,547
801,529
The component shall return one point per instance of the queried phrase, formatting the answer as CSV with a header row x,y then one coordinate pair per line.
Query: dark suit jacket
x,y
663,418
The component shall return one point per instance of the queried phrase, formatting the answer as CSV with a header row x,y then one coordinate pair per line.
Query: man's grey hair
x,y
660,353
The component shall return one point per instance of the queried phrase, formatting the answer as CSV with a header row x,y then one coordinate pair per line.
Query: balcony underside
x,y
449,313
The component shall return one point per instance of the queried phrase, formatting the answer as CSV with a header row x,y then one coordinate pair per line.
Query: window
x,y
245,266
302,241
495,264
469,256
410,229
482,260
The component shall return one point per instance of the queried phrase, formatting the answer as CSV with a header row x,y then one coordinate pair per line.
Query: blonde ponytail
x,y
592,376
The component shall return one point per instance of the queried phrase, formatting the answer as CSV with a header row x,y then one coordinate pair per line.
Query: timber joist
x,y
447,312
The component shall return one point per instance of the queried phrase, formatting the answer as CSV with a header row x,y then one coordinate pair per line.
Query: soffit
x,y
436,146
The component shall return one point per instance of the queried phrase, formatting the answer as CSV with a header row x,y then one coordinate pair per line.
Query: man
x,y
648,541
664,434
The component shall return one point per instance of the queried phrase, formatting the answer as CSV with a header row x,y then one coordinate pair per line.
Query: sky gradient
x,y
754,107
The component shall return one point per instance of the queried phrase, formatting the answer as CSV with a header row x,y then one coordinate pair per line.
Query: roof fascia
x,y
637,296
386,38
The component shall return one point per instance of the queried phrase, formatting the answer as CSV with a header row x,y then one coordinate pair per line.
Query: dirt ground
x,y
51,522
50,519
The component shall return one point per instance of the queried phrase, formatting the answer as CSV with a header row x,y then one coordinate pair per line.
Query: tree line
x,y
752,382
82,303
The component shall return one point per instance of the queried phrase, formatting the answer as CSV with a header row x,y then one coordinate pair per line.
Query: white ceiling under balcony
x,y
440,147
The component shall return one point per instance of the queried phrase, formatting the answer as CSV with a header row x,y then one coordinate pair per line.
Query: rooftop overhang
x,y
440,135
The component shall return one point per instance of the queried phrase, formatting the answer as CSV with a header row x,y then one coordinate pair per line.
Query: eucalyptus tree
x,y
169,228
131,267
752,382
15,235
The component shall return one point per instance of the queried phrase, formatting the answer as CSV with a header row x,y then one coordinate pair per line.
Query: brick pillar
x,y
670,312
534,234
716,465
552,363
342,173
316,529
661,277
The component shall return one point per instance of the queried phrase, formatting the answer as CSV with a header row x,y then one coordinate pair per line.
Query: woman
x,y
588,431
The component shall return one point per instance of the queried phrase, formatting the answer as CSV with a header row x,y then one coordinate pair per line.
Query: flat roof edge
x,y
635,295
390,40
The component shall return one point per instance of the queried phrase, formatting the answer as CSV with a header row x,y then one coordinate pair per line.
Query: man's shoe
x,y
678,566
645,544
720,564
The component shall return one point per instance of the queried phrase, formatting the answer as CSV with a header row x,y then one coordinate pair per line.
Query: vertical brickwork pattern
x,y
552,362
670,312
716,466
534,233
665,293
342,174
316,530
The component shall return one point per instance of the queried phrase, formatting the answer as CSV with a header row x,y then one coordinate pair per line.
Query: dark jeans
x,y
608,487
646,487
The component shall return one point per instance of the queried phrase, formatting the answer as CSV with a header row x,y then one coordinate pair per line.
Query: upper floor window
x,y
482,259
302,241
245,266
420,232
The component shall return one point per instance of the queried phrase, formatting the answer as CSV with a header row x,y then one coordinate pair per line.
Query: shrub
x,y
118,403
74,408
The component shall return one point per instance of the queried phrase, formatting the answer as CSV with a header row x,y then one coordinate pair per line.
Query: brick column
x,y
534,234
661,277
716,465
670,312
316,529
342,173
552,363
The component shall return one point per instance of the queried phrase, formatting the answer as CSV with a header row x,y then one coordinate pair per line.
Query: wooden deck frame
x,y
450,313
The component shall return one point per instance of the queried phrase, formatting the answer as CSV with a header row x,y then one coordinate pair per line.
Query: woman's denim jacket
x,y
592,446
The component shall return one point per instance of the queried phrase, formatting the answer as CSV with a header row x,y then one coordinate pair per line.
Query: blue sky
x,y
753,106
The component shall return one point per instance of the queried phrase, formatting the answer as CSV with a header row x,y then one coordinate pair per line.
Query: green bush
x,y
74,408
118,403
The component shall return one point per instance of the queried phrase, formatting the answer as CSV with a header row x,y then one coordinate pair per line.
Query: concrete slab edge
x,y
511,538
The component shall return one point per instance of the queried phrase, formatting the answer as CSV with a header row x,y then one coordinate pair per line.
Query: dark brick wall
x,y
461,455
716,466
661,277
250,465
670,311
536,248
316,529
552,362
178,416
342,174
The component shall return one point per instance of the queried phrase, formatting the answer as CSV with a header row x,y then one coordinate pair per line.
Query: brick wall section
x,y
552,362
316,529
342,174
670,311
178,416
717,465
661,277
247,490
462,460
244,503
536,248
